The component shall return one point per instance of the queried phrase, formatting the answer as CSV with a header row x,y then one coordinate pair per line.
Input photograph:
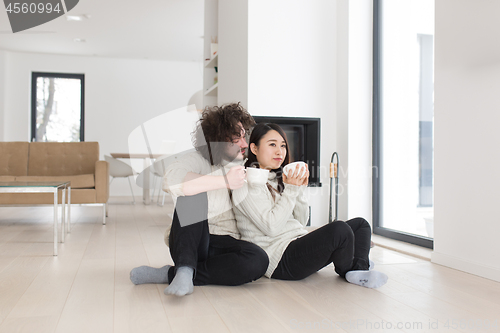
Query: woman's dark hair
x,y
219,124
258,132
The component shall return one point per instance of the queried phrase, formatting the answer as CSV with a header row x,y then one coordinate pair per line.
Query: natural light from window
x,y
407,115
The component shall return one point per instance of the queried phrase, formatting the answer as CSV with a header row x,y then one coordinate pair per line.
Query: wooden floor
x,y
87,287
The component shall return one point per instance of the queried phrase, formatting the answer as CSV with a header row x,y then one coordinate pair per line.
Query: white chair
x,y
119,169
167,148
158,170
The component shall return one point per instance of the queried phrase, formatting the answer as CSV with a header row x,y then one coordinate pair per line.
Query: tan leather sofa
x,y
77,162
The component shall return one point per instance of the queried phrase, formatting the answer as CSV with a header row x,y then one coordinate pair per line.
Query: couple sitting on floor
x,y
226,231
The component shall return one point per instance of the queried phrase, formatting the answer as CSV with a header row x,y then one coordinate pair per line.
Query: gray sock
x,y
146,274
182,284
368,279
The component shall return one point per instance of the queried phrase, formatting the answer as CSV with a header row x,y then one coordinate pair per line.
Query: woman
x,y
274,216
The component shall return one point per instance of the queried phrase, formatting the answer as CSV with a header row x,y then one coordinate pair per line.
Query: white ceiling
x,y
150,29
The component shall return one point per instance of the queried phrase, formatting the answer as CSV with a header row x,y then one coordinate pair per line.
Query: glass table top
x,y
33,184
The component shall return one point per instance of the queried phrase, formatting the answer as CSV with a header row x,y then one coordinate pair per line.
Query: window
x,y
403,118
57,107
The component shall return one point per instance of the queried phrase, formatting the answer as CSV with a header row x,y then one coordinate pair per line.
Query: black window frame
x,y
377,141
34,77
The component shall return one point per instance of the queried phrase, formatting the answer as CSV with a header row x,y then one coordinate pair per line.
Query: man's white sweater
x,y
271,223
221,219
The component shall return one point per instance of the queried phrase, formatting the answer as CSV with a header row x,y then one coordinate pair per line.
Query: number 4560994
x,y
32,8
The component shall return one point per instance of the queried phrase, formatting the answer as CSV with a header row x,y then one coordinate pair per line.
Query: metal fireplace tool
x,y
334,174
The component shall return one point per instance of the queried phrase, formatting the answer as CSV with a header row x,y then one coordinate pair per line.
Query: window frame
x,y
34,77
377,142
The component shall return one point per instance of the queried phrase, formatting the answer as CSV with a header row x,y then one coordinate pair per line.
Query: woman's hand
x,y
293,176
306,176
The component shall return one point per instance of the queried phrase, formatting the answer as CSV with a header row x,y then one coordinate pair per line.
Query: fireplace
x,y
303,136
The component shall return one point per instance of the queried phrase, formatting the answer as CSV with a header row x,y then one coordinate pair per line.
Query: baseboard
x,y
466,266
402,247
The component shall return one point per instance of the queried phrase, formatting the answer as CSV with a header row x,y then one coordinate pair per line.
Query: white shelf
x,y
212,91
211,29
213,62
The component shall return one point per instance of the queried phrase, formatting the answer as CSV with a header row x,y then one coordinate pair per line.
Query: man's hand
x,y
235,178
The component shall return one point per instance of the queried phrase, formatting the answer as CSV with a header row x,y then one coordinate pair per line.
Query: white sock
x,y
368,279
372,264
182,284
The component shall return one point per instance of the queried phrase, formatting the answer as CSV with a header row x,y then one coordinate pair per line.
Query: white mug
x,y
257,176
292,166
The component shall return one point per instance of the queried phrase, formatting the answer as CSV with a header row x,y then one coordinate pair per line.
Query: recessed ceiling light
x,y
77,17
79,40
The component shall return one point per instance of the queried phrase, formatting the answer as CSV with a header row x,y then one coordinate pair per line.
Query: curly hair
x,y
220,124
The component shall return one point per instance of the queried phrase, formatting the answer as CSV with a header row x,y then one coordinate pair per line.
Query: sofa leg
x,y
104,213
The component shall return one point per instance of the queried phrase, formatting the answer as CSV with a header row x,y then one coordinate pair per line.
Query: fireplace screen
x,y
295,137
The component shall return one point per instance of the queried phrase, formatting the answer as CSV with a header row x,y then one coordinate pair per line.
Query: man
x,y
204,240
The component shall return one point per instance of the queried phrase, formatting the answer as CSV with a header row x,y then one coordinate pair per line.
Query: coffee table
x,y
45,187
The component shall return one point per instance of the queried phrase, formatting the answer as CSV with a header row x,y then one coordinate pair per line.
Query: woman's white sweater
x,y
271,223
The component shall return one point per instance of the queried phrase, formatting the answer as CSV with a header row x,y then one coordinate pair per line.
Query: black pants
x,y
216,259
346,244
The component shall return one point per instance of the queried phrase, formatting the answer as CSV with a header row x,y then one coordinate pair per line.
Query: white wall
x,y
291,72
120,94
233,52
467,118
341,101
354,108
360,83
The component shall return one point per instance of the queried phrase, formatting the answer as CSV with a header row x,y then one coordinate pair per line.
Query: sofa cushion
x,y
62,158
77,181
14,158
7,178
